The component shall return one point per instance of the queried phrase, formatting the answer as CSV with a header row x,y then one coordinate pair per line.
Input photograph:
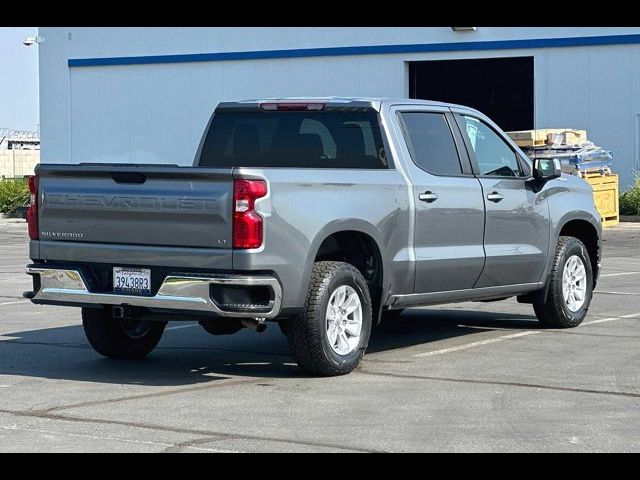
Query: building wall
x,y
156,113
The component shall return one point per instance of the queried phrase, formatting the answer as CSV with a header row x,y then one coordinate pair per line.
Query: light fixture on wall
x,y
30,41
464,29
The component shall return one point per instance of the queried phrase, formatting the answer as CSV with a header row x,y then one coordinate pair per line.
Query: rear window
x,y
431,142
295,139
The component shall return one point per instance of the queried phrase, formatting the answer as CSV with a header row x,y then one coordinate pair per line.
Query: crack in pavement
x,y
179,447
166,445
502,383
217,436
176,391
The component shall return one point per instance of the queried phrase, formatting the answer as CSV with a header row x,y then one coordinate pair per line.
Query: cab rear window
x,y
295,139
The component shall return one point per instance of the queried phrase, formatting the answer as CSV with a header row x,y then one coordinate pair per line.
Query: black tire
x,y
307,334
120,339
555,313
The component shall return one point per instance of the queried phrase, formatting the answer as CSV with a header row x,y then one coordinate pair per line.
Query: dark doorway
x,y
501,88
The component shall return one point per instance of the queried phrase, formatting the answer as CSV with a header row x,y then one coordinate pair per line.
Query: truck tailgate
x,y
142,205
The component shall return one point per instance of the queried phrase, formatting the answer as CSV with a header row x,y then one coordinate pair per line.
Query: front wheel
x,y
120,338
570,286
332,333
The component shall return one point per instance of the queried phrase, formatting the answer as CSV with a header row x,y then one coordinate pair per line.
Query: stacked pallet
x,y
577,155
548,136
580,157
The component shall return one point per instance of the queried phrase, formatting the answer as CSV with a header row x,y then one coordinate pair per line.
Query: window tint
x,y
294,139
493,155
431,143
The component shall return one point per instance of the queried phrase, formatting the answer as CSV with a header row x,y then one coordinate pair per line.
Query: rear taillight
x,y
247,224
292,106
32,213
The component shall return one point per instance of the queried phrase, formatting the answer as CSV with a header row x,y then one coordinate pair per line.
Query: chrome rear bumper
x,y
189,293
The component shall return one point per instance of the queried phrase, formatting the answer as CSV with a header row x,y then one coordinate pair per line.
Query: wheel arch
x,y
358,243
589,235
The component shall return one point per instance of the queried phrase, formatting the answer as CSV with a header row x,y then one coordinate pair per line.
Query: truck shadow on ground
x,y
424,326
189,356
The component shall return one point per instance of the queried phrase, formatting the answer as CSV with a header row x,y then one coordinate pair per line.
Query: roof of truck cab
x,y
373,102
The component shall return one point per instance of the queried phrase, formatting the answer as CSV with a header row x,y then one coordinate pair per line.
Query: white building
x,y
145,94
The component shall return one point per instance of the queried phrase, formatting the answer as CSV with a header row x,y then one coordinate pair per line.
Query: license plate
x,y
132,280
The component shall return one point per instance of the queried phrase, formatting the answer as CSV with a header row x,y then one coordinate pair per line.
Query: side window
x,y
494,156
431,143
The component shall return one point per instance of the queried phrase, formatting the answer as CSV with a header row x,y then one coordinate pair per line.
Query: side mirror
x,y
545,169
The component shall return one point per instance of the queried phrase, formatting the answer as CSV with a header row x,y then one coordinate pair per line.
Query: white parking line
x,y
619,274
478,327
476,344
612,319
510,336
178,327
616,293
14,303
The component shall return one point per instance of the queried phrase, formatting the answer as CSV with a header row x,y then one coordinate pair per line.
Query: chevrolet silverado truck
x,y
324,215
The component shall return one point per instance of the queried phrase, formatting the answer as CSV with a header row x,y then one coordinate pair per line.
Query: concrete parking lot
x,y
463,377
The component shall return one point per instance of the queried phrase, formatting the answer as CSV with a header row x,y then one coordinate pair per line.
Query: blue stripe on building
x,y
360,50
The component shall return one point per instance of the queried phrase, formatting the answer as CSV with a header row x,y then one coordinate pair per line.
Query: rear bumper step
x,y
189,293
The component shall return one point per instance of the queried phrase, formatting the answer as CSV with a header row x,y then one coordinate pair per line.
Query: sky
x,y
18,79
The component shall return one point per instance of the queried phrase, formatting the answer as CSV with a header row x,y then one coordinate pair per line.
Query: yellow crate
x,y
605,195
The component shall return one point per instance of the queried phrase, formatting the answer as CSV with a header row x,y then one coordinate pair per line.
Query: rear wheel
x,y
120,338
332,333
570,286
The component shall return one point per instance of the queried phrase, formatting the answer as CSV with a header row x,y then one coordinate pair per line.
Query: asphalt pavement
x,y
461,377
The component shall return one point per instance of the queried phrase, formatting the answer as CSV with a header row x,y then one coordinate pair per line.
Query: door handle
x,y
428,197
494,197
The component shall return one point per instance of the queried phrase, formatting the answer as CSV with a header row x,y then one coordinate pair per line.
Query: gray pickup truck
x,y
324,215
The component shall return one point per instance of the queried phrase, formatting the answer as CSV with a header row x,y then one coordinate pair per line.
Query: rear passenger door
x,y
449,212
517,217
